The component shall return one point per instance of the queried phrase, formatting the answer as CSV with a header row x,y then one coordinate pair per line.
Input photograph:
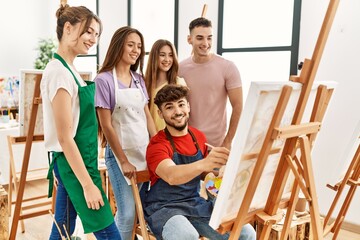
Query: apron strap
x,y
137,84
58,57
133,79
194,139
50,175
169,137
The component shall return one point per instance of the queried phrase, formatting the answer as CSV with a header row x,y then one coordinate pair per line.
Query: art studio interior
x,y
273,44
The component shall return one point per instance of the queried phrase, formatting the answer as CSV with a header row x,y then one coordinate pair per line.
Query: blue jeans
x,y
179,227
125,214
65,214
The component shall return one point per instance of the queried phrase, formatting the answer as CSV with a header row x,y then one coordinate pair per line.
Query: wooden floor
x,y
38,228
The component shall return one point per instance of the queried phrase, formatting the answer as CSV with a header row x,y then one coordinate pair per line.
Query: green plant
x,y
46,50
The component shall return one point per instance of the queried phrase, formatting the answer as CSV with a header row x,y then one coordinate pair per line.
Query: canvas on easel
x,y
299,138
27,85
348,180
346,158
252,128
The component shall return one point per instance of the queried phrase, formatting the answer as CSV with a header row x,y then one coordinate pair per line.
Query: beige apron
x,y
130,124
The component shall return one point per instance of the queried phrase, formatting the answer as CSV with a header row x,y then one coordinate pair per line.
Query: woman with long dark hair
x,y
126,124
162,69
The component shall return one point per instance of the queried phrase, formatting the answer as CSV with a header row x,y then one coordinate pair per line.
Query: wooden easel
x,y
307,78
298,136
204,10
35,174
25,163
351,178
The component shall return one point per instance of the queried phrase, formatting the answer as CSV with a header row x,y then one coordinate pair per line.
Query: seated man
x,y
177,156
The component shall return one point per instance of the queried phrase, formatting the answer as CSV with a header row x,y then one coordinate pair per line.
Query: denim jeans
x,y
125,214
65,212
109,233
180,227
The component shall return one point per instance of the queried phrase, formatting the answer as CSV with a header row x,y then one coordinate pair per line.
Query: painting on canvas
x,y
27,85
251,131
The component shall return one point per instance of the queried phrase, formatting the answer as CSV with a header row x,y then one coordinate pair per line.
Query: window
x,y
261,37
154,19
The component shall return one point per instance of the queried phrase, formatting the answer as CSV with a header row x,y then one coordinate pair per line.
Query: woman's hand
x,y
128,169
93,197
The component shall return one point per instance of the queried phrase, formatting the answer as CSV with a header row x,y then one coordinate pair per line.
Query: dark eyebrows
x,y
168,103
202,36
173,102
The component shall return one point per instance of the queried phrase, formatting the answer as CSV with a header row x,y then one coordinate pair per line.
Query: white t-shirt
x,y
56,76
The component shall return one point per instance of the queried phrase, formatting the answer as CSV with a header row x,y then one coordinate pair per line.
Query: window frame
x,y
293,48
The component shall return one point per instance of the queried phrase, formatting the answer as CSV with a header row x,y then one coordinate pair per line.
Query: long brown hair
x,y
152,68
116,50
114,55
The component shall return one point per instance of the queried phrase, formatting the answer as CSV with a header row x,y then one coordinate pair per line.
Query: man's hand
x,y
217,158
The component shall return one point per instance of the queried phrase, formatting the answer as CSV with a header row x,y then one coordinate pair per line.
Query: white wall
x,y
190,10
22,24
339,63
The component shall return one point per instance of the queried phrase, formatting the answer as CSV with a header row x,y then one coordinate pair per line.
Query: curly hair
x,y
171,93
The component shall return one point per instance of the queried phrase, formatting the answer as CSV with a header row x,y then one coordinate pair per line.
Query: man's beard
x,y
177,127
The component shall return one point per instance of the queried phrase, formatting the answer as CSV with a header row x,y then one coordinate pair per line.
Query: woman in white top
x,y
70,130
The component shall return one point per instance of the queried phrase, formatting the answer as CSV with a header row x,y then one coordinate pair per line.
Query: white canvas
x,y
347,157
27,86
251,131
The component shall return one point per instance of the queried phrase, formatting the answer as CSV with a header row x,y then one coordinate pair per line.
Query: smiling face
x,y
201,40
166,58
132,49
81,44
175,114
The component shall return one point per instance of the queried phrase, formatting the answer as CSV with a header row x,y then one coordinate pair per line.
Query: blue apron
x,y
164,201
